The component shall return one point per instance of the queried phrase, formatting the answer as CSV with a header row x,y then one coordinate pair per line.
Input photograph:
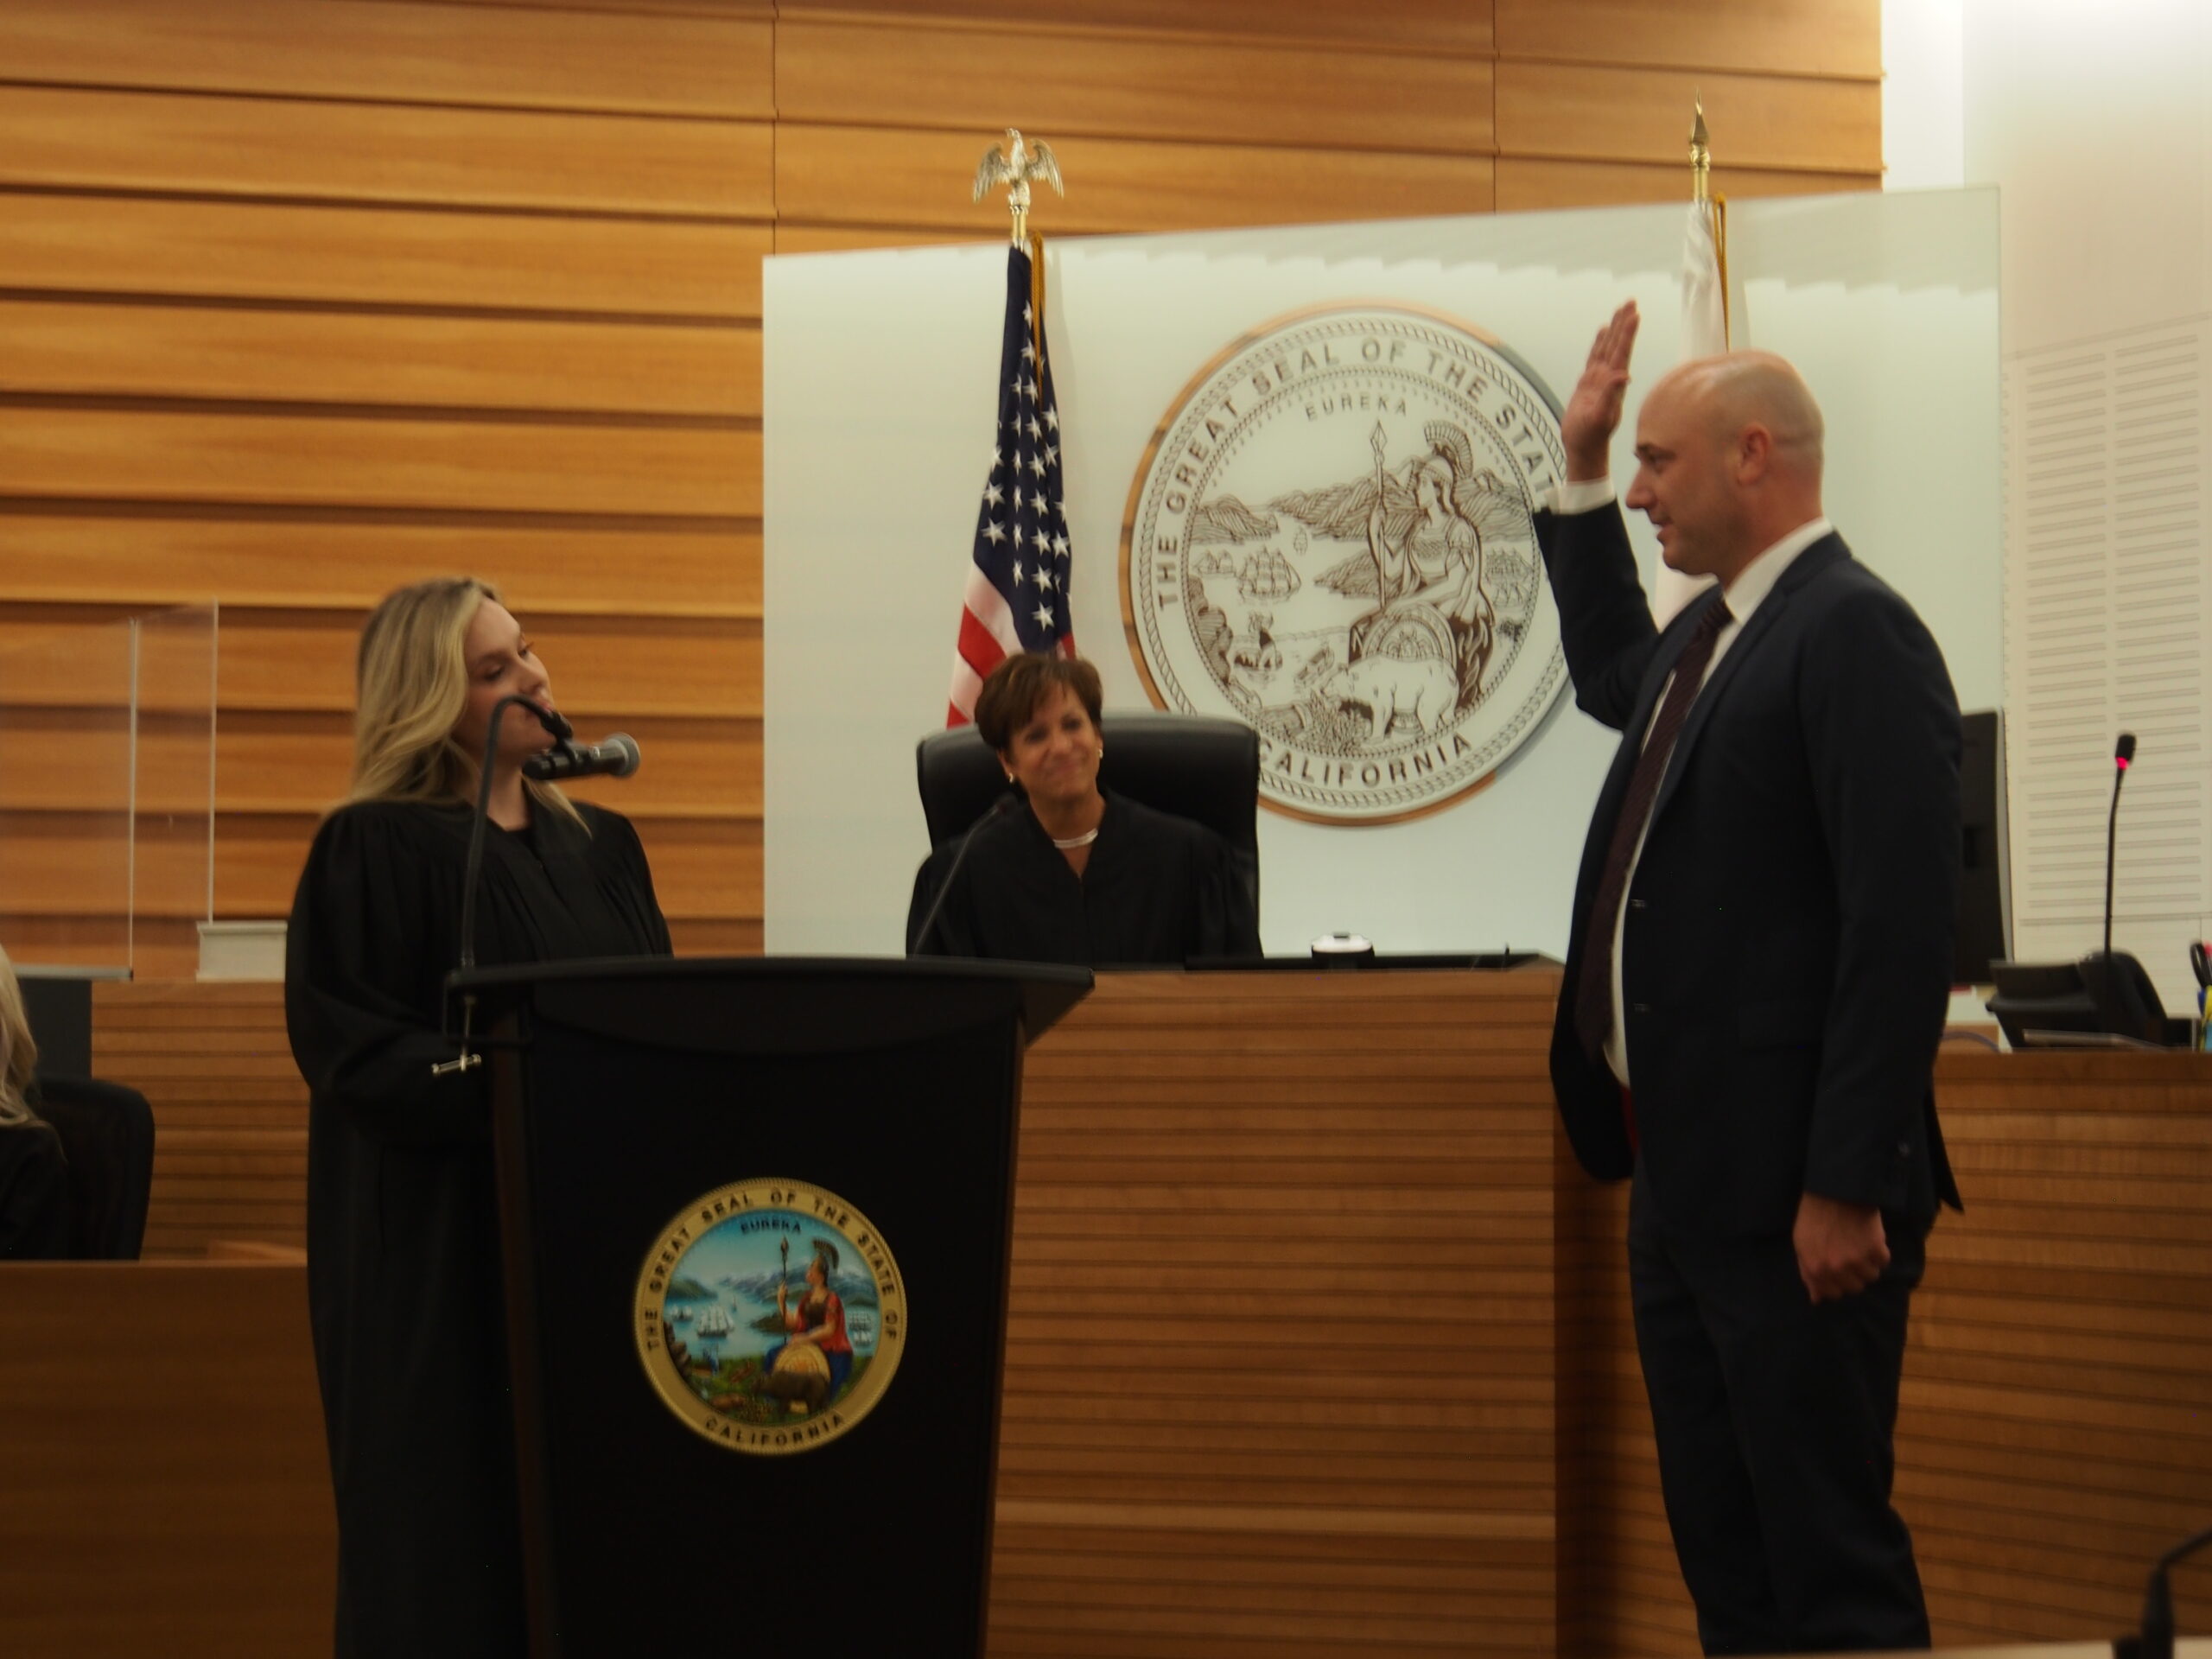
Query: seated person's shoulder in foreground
x,y
36,1220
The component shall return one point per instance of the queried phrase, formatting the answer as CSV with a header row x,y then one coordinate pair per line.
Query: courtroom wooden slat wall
x,y
164,1487
301,299
1278,1361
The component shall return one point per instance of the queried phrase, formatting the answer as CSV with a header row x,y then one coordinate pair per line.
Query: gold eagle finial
x,y
1016,163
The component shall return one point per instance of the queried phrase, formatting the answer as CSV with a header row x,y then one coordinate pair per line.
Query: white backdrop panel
x,y
879,385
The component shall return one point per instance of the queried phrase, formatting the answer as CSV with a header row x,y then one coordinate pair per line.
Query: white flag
x,y
1705,293
1705,334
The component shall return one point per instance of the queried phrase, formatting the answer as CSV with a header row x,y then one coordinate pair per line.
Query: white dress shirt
x,y
1745,594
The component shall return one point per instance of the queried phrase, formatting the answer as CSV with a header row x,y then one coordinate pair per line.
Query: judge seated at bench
x,y
1065,872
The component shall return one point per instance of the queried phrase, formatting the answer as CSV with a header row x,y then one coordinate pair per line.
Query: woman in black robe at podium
x,y
403,1263
1073,875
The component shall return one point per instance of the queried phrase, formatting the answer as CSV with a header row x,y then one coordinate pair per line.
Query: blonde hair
x,y
411,688
18,1051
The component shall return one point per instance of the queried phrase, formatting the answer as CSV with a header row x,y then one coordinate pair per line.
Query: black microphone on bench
x,y
1005,803
2156,1639
2125,1001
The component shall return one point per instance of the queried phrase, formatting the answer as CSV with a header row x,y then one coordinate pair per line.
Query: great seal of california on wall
x,y
1331,539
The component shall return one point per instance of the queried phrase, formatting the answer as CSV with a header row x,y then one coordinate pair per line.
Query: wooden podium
x,y
700,1417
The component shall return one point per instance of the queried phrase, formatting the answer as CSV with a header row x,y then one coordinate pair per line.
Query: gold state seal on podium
x,y
770,1316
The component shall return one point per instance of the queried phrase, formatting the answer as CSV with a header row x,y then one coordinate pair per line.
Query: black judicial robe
x,y
35,1203
404,1270
1159,890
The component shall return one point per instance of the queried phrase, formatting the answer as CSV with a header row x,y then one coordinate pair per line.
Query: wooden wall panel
x,y
381,256
721,936
164,1488
270,763
67,348
296,560
414,54
301,299
381,153
722,8
1836,38
275,660
348,461
1525,185
1109,84
1211,1387
1594,114
279,660
829,175
1461,27
231,1131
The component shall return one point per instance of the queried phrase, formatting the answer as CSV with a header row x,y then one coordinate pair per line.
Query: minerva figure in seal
x,y
1423,650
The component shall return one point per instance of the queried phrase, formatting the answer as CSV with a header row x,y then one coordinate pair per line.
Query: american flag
x,y
1017,594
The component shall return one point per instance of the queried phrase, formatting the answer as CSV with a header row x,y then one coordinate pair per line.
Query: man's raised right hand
x,y
1594,410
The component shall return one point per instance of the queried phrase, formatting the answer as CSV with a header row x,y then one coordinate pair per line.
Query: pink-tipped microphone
x,y
2123,754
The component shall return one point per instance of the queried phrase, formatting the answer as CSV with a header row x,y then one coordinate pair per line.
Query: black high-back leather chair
x,y
1196,766
107,1135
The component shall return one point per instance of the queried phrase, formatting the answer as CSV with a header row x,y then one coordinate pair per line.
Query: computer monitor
x,y
1983,933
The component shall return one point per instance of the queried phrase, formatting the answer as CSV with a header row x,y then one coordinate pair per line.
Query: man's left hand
x,y
1841,1248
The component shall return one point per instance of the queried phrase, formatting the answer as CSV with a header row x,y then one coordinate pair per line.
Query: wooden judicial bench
x,y
1320,1344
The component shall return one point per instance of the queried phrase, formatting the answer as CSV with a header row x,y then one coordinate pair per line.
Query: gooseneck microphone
x,y
614,757
2156,1639
1004,805
2125,1002
468,1059
2123,756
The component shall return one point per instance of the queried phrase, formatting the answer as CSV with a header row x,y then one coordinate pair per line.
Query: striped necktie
x,y
1594,991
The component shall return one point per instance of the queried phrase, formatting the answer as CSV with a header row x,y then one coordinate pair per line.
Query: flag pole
x,y
1706,329
1716,208
1015,595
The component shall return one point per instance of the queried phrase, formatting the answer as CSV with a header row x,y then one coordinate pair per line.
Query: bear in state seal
x,y
1425,688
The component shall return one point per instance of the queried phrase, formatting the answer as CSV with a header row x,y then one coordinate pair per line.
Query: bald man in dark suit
x,y
1756,986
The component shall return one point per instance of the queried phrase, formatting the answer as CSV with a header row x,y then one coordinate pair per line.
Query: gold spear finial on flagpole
x,y
1712,209
1015,164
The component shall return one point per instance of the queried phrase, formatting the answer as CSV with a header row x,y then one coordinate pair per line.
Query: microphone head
x,y
630,758
2123,753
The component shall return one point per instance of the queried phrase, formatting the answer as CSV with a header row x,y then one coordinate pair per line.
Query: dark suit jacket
x,y
1787,948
